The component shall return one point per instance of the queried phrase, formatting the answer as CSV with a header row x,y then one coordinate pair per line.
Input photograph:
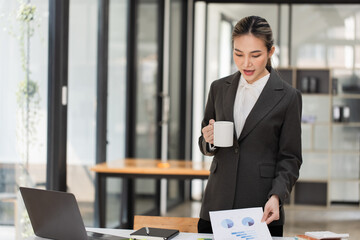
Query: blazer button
x,y
236,150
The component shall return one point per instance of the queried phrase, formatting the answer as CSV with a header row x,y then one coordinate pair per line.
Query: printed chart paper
x,y
244,224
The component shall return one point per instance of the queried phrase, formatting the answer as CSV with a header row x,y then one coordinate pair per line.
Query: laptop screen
x,y
53,214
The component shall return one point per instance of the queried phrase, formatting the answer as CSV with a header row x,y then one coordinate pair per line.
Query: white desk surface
x,y
126,233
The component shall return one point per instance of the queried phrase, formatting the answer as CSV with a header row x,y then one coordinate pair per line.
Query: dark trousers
x,y
205,227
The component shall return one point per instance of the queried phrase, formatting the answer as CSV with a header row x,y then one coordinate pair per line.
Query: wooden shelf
x,y
325,95
316,151
324,92
345,180
348,96
347,152
346,124
312,180
317,123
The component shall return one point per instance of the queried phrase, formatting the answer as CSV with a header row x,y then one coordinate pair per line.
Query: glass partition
x,y
176,86
146,98
116,102
324,35
23,104
82,104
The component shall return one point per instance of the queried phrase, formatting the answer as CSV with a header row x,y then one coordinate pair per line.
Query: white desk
x,y
126,233
181,236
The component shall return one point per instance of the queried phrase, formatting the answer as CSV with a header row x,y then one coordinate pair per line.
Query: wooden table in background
x,y
131,168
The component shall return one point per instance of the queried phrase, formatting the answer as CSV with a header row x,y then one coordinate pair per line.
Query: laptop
x,y
56,215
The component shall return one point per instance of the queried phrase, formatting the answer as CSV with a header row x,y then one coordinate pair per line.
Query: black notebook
x,y
154,233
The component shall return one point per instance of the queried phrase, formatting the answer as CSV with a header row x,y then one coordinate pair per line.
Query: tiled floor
x,y
299,219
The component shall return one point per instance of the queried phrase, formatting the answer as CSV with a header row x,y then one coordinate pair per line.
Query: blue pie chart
x,y
227,223
248,221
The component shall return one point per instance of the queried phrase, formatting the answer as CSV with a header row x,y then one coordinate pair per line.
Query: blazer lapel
x,y
269,97
229,96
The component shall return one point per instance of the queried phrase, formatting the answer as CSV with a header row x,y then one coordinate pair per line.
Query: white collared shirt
x,y
246,97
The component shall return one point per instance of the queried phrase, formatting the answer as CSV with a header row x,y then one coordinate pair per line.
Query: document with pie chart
x,y
244,224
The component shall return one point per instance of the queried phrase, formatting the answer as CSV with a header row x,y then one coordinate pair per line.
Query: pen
x,y
147,230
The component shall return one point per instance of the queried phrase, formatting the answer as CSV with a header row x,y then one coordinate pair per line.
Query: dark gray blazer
x,y
266,158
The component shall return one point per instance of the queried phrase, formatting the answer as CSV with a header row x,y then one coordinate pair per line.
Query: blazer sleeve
x,y
289,157
208,114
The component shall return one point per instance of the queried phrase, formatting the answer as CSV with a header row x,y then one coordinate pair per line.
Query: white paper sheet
x,y
326,235
239,224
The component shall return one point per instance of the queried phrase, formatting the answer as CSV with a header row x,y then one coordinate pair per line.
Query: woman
x,y
263,164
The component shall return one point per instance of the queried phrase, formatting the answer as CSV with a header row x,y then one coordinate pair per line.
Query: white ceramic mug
x,y
223,133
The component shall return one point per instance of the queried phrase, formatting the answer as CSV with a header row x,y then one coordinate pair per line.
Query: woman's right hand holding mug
x,y
208,132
